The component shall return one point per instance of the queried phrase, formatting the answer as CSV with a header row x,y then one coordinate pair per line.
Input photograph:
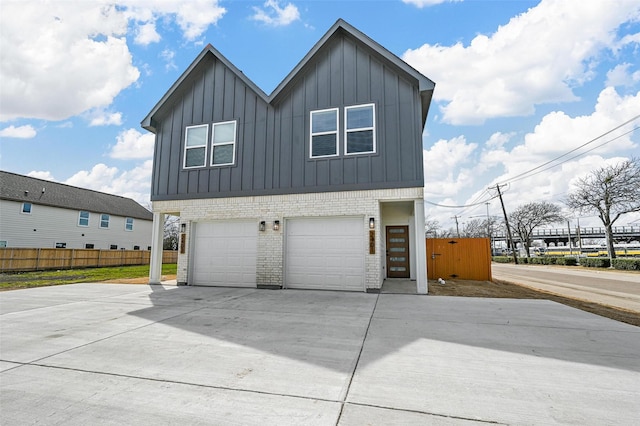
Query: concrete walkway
x,y
135,354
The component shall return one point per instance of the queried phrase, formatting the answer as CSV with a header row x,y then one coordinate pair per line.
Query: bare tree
x,y
171,235
431,228
527,217
610,192
475,228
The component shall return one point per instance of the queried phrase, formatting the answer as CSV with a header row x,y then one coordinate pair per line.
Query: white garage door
x,y
325,253
224,254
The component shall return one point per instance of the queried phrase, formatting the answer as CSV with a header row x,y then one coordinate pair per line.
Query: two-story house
x,y
316,186
36,213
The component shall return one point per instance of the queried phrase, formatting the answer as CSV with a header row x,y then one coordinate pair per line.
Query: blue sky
x,y
518,83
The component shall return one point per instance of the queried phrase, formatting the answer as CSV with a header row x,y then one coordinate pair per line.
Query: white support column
x,y
421,249
155,267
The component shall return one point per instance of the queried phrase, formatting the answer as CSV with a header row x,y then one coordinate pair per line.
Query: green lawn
x,y
11,281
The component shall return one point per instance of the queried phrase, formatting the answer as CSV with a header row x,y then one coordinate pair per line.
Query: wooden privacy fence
x,y
459,258
33,259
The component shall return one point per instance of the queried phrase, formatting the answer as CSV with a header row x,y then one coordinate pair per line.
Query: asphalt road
x,y
615,288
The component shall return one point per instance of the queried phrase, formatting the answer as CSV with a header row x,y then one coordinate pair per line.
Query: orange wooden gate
x,y
459,258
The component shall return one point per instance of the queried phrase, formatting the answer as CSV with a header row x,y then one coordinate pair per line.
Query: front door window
x,y
398,252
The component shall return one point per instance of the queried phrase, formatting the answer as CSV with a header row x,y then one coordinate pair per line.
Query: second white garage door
x,y
225,254
325,253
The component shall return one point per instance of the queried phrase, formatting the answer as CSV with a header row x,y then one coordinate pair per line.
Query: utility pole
x,y
489,229
506,221
457,229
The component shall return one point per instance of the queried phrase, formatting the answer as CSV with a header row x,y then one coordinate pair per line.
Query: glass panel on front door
x,y
397,239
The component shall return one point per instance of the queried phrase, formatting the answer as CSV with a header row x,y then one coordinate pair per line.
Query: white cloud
x,y
60,59
20,132
275,15
167,55
622,76
444,167
42,175
456,173
146,34
523,63
423,3
104,118
134,183
132,144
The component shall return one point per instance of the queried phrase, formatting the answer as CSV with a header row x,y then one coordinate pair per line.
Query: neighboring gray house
x,y
36,213
318,185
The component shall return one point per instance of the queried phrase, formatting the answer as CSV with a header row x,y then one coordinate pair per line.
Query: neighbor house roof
x,y
20,188
341,27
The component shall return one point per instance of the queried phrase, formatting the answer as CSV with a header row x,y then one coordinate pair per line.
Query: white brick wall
x,y
281,207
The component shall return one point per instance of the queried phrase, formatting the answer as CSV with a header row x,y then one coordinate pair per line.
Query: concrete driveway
x,y
133,354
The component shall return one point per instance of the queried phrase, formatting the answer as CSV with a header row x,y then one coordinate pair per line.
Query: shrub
x,y
523,260
568,261
627,264
502,259
595,262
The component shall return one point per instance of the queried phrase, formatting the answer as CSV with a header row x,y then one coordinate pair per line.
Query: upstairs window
x,y
128,224
104,221
26,208
223,143
195,146
324,133
83,218
360,129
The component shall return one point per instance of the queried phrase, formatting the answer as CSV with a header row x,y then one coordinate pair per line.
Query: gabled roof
x,y
15,187
425,85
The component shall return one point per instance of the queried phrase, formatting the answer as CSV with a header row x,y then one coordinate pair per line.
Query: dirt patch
x,y
503,289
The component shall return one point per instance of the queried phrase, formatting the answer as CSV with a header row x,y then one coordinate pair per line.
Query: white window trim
x,y
336,132
235,138
22,207
206,142
126,219
108,221
80,217
360,129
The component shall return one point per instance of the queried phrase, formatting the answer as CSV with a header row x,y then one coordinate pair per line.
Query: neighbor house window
x,y
136,247
223,143
89,246
104,220
195,146
3,243
61,245
26,208
128,224
113,247
83,219
324,133
359,129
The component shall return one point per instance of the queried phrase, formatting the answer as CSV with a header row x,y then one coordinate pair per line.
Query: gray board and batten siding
x,y
345,68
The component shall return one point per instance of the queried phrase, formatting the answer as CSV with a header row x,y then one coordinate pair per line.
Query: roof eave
x,y
148,123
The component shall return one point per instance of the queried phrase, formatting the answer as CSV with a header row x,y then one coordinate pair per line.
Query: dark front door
x,y
398,252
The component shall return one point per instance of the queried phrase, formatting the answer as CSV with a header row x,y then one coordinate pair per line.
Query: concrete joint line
x,y
176,382
34,362
408,410
355,367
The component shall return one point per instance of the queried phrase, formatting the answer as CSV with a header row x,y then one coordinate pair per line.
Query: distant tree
x,y
527,217
610,192
475,228
431,228
171,235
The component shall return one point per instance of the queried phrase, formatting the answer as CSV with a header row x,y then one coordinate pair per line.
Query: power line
x,y
577,148
461,207
520,177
